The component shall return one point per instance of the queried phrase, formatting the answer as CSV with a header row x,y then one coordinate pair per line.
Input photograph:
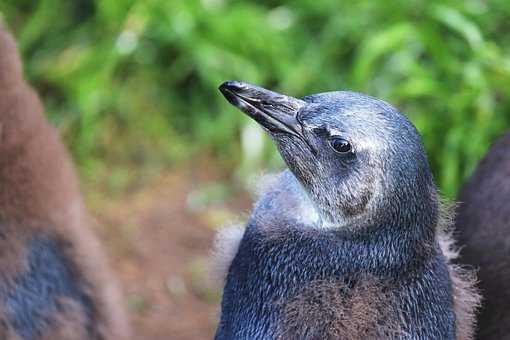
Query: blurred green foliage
x,y
134,81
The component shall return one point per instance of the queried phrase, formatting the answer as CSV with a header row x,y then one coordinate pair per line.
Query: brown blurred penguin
x,y
483,224
54,280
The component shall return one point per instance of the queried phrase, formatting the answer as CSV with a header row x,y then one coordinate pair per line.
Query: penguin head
x,y
357,157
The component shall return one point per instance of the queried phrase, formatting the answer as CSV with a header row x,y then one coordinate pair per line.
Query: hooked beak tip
x,y
231,85
230,90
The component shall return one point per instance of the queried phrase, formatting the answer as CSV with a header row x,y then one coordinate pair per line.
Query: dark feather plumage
x,y
483,225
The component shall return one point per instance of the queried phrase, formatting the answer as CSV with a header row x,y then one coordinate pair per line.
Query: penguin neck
x,y
416,215
339,253
389,239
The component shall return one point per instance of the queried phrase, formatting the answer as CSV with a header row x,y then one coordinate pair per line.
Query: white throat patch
x,y
283,201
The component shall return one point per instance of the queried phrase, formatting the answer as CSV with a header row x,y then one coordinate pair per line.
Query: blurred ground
x,y
160,250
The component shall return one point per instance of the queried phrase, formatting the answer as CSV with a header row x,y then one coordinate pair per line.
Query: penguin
x,y
483,225
352,240
54,279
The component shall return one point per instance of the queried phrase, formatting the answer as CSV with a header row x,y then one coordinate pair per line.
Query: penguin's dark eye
x,y
340,145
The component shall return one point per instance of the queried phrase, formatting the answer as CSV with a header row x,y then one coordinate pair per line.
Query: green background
x,y
132,85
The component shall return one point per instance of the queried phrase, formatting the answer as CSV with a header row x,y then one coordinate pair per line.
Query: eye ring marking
x,y
341,145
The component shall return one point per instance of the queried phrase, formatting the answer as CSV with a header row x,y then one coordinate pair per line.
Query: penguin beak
x,y
274,111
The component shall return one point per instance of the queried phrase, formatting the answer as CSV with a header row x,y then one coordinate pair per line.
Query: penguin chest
x,y
332,310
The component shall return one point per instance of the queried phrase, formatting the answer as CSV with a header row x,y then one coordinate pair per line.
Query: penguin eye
x,y
340,145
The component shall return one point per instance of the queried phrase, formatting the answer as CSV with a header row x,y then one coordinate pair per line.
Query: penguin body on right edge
x,y
483,225
350,241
